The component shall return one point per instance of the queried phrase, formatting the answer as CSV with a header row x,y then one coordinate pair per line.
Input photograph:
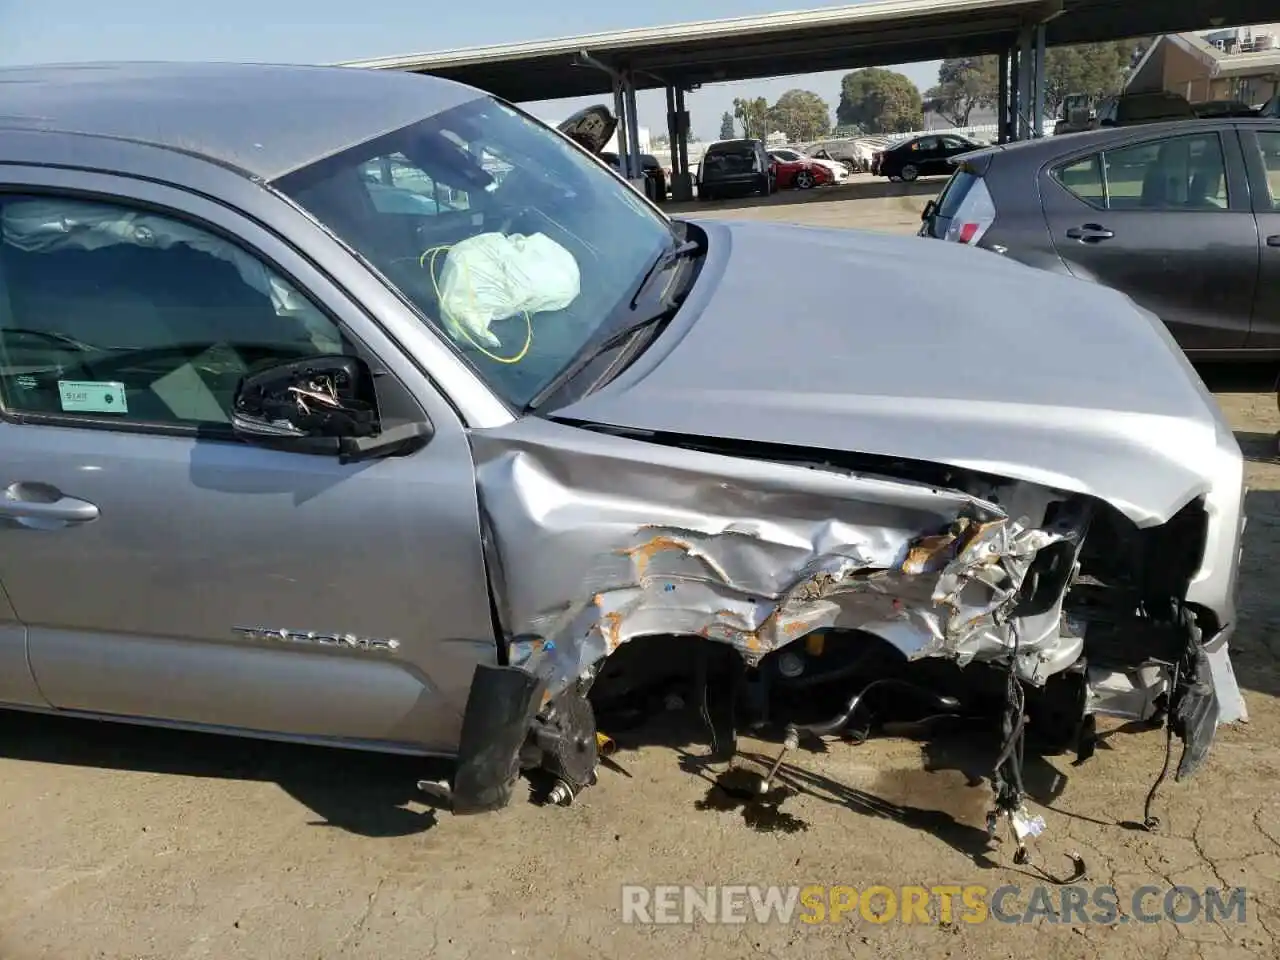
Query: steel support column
x,y
1038,83
684,131
620,111
1011,119
1002,97
635,169
681,182
1026,67
672,127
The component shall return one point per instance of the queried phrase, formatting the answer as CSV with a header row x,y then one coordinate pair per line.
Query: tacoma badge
x,y
323,639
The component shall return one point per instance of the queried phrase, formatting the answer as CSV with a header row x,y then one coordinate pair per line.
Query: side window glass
x,y
1179,173
1269,147
925,144
115,312
1084,179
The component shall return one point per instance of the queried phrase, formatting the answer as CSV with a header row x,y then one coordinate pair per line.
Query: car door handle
x,y
1090,233
1273,240
40,501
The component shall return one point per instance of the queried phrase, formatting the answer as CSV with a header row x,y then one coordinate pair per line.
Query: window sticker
x,y
92,396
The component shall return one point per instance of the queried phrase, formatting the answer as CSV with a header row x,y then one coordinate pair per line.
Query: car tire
x,y
910,172
804,180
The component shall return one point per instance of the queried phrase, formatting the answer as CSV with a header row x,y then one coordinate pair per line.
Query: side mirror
x,y
320,405
929,210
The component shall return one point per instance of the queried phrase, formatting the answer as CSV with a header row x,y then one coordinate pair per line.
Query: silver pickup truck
x,y
283,458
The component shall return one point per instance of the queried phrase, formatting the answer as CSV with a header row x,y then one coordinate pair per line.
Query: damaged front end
x,y
783,558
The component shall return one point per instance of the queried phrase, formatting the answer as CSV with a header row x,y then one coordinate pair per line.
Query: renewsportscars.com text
x,y
971,903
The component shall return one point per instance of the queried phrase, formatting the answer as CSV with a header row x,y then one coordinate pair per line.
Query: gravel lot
x,y
131,843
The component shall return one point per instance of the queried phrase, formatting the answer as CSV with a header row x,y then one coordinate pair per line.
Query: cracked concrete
x,y
124,844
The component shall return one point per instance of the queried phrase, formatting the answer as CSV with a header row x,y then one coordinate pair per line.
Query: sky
x,y
327,31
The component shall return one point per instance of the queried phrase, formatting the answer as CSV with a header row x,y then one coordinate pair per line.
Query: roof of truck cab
x,y
265,120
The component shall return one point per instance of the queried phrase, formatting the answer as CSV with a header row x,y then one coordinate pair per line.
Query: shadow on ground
x,y
947,798
1259,447
362,793
1255,647
1239,377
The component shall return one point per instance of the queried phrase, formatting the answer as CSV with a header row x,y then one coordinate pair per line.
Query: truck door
x,y
166,569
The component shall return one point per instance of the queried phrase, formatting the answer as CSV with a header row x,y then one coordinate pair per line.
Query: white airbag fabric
x,y
492,276
38,226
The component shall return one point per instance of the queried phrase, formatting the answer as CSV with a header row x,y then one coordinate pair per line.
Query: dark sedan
x,y
1183,217
923,156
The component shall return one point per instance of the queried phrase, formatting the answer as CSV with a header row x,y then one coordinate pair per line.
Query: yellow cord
x,y
433,253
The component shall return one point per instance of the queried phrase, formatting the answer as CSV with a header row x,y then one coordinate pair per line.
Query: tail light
x,y
973,217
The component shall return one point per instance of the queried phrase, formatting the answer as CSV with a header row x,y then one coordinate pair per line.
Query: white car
x,y
838,169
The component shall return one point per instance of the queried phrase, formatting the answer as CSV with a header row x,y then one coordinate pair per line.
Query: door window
x,y
955,143
1177,173
1269,147
116,313
1084,179
924,145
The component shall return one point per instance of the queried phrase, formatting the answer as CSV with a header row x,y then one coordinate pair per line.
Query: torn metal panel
x,y
648,539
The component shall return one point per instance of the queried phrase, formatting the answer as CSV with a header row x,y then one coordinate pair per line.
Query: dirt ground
x,y
129,843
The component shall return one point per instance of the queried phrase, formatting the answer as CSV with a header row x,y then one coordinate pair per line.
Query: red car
x,y
803,173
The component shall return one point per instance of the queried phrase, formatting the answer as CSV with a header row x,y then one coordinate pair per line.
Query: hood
x,y
592,127
916,349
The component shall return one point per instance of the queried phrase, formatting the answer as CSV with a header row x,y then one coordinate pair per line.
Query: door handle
x,y
1090,233
1273,240
40,501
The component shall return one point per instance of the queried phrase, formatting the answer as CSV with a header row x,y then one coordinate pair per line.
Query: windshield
x,y
730,158
514,244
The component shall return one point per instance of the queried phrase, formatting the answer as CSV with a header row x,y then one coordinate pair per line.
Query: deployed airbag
x,y
43,226
492,276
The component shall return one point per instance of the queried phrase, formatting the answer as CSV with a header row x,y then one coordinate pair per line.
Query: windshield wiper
x,y
591,353
60,339
669,256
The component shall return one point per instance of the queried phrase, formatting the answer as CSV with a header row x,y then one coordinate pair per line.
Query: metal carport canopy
x,y
809,41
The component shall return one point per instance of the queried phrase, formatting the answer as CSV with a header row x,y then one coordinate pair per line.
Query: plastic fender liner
x,y
1195,716
500,710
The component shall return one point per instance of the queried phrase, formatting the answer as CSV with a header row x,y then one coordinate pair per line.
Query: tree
x,y
753,114
726,126
880,101
965,83
1093,69
801,115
